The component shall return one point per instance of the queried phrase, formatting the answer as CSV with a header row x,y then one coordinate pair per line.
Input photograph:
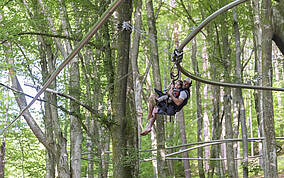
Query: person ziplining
x,y
170,108
170,103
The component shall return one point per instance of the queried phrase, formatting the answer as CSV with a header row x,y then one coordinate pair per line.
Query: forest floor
x,y
280,160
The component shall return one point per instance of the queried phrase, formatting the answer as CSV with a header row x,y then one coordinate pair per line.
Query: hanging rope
x,y
176,58
89,35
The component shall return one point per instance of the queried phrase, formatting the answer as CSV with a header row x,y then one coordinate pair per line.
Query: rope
x,y
206,21
179,50
89,35
232,85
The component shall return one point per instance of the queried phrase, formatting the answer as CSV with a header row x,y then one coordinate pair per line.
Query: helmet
x,y
189,80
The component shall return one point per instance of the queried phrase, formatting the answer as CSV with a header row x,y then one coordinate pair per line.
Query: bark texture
x,y
269,146
161,159
122,164
240,101
198,109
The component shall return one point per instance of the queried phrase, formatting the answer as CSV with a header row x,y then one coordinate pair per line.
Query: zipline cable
x,y
232,85
206,21
88,36
194,33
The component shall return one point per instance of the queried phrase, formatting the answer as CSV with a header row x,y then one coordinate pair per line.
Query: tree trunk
x,y
48,63
137,83
121,165
269,146
161,152
74,90
132,130
216,125
153,132
198,109
205,114
47,66
242,116
109,68
232,172
258,72
2,158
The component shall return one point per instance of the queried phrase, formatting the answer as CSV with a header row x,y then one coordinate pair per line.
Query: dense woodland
x,y
87,122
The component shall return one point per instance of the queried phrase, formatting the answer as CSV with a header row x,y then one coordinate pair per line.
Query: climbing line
x,y
88,36
206,21
194,33
224,84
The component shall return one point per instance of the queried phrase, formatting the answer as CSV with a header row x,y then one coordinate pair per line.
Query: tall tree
x,y
180,115
226,57
198,109
240,100
74,90
257,33
137,83
154,57
123,167
269,146
3,141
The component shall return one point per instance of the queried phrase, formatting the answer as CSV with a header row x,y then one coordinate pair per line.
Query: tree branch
x,y
48,35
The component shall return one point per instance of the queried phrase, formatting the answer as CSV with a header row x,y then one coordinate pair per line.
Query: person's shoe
x,y
159,92
146,132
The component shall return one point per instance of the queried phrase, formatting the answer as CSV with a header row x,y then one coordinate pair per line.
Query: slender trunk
x,y
242,115
186,164
2,158
21,100
216,125
132,129
45,52
180,115
137,85
47,66
232,172
161,159
269,146
153,132
199,109
205,114
276,65
109,67
74,90
258,72
3,144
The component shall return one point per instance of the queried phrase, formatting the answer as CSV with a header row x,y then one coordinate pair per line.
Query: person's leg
x,y
151,105
162,98
151,122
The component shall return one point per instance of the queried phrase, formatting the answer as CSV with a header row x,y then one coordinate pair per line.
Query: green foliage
x,y
24,155
253,167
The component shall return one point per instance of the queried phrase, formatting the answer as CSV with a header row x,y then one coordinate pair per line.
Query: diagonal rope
x,y
89,35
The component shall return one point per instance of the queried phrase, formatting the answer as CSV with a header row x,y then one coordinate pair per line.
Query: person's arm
x,y
178,100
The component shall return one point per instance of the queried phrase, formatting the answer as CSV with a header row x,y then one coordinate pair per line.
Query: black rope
x,y
176,58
